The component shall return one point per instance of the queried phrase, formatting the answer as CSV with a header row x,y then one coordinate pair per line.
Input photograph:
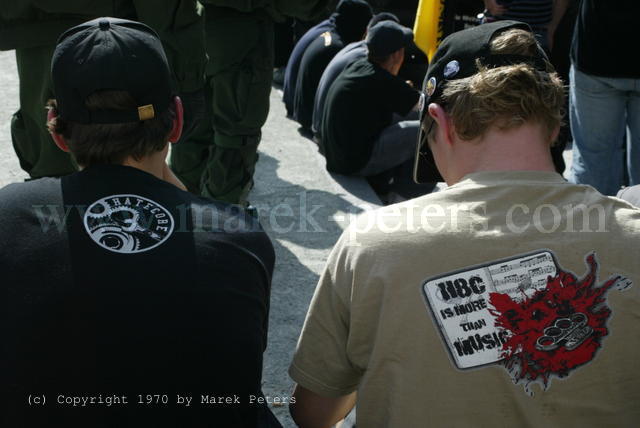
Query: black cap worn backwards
x,y
110,54
382,16
386,37
456,59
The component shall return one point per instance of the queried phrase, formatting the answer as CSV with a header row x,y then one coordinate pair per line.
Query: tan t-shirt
x,y
505,300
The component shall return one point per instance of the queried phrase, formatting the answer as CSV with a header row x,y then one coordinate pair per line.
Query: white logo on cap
x,y
431,86
451,69
421,101
128,223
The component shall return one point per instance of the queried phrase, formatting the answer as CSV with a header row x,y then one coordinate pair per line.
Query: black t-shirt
x,y
117,283
314,62
359,105
605,38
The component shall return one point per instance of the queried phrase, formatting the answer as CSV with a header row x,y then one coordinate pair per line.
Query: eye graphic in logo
x,y
128,223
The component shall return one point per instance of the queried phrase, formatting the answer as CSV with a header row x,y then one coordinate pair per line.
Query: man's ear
x,y
178,121
442,119
57,138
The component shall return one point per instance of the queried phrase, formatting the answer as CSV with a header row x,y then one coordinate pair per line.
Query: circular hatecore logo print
x,y
128,223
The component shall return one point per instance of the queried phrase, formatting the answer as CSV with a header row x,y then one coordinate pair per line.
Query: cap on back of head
x,y
456,59
351,19
110,54
352,7
382,16
457,54
386,37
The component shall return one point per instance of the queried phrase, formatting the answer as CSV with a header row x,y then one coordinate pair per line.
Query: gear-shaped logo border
x,y
132,229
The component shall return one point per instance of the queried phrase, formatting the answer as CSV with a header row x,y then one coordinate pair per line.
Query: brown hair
x,y
95,144
507,96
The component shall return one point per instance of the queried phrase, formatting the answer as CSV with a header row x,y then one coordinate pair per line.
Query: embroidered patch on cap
x,y
128,223
451,69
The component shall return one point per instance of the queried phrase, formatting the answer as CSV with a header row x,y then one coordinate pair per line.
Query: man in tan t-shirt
x,y
510,298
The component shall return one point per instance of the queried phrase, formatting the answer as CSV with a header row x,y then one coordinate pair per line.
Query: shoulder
x,y
385,229
631,195
218,224
20,195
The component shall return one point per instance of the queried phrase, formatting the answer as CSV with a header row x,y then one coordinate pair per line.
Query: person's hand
x,y
409,82
494,7
170,177
193,103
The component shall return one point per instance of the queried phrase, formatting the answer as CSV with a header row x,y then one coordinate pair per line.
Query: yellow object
x,y
427,29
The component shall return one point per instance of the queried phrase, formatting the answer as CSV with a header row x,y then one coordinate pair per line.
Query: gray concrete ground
x,y
304,210
9,167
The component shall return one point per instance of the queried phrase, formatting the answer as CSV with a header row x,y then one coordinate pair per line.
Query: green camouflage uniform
x,y
31,27
219,158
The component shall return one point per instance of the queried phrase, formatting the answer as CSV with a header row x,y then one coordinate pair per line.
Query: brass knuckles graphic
x,y
568,332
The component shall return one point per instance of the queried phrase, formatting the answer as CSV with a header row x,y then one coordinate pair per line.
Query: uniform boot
x,y
228,175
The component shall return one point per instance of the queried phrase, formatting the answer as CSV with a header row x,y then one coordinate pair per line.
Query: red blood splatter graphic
x,y
527,319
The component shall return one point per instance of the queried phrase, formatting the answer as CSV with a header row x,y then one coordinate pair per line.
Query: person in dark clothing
x,y
32,27
350,26
349,54
218,161
365,130
293,63
122,291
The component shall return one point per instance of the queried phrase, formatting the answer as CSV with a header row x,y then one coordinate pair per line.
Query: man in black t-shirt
x,y
364,128
127,300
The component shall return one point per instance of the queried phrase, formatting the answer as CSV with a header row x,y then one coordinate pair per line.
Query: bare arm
x,y
311,410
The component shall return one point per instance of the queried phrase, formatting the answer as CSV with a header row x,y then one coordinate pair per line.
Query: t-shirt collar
x,y
509,177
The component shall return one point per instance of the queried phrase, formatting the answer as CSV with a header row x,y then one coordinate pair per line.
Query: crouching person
x,y
511,296
127,300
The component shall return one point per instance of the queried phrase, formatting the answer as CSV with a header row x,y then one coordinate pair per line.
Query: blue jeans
x,y
602,110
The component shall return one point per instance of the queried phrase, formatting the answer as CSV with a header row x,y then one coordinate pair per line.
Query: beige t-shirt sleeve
x,y
321,363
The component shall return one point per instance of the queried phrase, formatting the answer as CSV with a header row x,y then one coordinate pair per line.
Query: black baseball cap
x,y
110,54
386,37
456,59
382,16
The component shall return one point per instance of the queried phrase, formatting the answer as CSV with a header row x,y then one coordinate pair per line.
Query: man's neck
x,y
520,149
387,65
153,164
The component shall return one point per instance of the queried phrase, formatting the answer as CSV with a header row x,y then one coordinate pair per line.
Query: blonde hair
x,y
507,96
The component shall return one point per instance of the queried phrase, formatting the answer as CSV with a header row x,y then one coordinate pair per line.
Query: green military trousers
x,y
38,154
219,159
